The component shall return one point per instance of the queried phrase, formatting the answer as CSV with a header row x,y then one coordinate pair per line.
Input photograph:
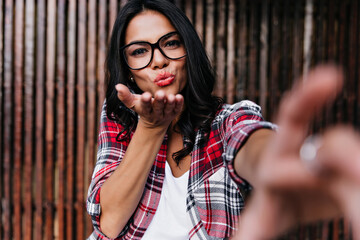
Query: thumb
x,y
125,95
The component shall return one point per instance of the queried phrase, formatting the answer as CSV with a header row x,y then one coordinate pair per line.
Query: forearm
x,y
121,192
248,157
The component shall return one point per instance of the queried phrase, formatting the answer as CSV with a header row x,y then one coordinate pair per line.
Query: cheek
x,y
141,79
143,74
184,76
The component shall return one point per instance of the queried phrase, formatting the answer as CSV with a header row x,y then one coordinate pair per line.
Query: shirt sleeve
x,y
109,155
240,121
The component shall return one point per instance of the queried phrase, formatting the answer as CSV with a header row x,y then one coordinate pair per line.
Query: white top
x,y
171,220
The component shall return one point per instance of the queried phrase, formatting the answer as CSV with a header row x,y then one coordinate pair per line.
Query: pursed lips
x,y
164,79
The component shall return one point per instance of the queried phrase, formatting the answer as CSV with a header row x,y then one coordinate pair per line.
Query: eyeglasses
x,y
138,55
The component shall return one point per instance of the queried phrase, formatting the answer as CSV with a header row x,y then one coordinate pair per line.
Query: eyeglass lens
x,y
139,55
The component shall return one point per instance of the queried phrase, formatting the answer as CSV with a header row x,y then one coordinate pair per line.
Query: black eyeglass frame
x,y
153,47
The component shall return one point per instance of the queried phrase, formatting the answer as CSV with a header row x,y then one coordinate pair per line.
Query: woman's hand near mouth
x,y
154,112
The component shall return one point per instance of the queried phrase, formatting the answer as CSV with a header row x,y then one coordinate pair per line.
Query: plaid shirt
x,y
214,199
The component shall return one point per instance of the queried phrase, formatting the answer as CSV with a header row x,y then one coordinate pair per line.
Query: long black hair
x,y
200,105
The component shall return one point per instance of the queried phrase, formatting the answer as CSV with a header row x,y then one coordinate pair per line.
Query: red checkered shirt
x,y
214,198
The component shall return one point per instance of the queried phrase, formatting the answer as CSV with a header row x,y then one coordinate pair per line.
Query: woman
x,y
183,128
170,154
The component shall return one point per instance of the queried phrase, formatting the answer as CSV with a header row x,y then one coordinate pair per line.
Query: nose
x,y
159,60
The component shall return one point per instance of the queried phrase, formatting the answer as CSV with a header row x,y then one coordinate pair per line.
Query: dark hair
x,y
201,106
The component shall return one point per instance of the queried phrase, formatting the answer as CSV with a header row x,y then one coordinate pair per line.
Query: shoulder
x,y
242,108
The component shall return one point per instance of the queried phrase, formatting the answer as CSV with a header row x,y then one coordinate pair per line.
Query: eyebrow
x,y
143,41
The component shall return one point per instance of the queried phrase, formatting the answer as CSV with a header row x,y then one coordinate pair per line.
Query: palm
x,y
157,111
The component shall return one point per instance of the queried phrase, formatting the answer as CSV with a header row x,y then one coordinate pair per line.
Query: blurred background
x,y
52,88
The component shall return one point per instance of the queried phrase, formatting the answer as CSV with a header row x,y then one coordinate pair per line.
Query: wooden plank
x,y
263,62
230,70
287,13
60,116
81,117
320,29
209,34
29,116
39,117
302,232
220,49
274,93
113,10
8,120
346,229
298,27
325,231
189,10
331,34
91,96
49,117
18,127
342,30
253,51
199,18
358,75
2,113
336,229
353,48
101,56
331,43
241,51
308,33
313,231
70,119
318,227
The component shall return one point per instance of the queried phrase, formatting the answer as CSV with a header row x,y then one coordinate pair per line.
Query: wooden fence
x,y
52,79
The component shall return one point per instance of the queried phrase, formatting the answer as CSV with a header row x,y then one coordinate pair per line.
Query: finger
x,y
348,196
145,104
125,96
179,103
159,102
170,104
288,175
303,102
340,152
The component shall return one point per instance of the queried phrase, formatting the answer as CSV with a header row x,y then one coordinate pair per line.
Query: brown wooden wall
x,y
52,88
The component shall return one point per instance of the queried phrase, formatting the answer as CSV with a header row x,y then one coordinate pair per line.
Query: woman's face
x,y
162,72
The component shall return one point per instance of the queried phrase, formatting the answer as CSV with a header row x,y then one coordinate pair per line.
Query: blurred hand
x,y
339,158
157,111
287,192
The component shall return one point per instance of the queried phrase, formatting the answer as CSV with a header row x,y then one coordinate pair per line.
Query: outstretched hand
x,y
288,192
157,111
339,155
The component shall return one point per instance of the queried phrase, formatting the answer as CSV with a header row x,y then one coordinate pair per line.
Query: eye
x,y
173,44
138,52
